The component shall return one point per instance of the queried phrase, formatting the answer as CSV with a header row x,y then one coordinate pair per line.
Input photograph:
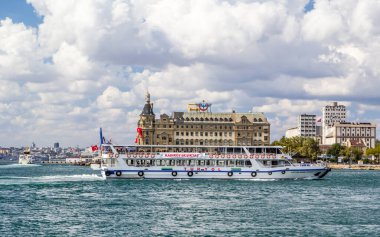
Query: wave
x,y
11,166
8,180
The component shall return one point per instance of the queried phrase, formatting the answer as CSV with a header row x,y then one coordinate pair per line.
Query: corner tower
x,y
147,122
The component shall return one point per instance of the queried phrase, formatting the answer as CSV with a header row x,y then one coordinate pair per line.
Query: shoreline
x,y
354,167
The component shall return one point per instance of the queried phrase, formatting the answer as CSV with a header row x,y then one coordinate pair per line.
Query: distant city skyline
x,y
70,67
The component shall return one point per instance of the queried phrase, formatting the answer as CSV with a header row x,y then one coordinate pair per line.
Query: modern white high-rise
x,y
306,127
332,114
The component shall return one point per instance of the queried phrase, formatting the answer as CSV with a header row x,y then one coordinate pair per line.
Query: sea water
x,y
58,200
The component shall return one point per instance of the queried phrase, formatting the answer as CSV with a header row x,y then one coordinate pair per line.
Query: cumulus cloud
x,y
90,62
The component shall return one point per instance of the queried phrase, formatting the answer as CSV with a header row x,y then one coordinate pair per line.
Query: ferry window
x,y
207,162
248,163
220,162
212,162
274,162
148,162
259,150
240,163
130,162
171,162
231,163
238,150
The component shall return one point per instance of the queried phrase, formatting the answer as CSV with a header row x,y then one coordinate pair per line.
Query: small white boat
x,y
25,158
203,162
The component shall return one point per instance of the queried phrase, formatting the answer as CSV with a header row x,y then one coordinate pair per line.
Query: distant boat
x,y
25,158
28,158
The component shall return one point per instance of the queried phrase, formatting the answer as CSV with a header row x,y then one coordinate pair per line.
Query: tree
x,y
310,148
335,150
306,147
374,151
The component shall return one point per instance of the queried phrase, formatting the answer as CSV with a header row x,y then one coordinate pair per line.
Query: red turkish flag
x,y
94,148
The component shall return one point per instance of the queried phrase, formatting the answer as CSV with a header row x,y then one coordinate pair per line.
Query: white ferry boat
x,y
25,158
206,162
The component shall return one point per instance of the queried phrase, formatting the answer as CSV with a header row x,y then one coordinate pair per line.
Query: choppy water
x,y
74,201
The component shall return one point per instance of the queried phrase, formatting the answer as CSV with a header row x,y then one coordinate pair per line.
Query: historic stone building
x,y
200,126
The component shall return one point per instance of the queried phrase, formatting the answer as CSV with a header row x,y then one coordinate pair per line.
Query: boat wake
x,y
9,180
11,166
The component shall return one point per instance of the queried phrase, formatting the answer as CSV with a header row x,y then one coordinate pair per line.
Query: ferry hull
x,y
182,174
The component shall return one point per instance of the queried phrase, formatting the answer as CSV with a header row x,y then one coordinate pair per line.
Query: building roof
x,y
147,110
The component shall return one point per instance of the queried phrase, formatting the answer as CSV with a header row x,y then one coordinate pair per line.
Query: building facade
x,y
306,127
200,126
348,133
332,114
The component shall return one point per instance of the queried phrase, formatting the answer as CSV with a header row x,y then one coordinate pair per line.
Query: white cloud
x,y
90,62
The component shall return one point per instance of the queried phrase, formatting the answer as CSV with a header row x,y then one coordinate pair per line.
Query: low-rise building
x,y
348,133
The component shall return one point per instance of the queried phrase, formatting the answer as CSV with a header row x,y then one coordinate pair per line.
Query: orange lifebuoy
x,y
240,156
228,156
251,156
233,156
246,156
152,156
146,155
256,156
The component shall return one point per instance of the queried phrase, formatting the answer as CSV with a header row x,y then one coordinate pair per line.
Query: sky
x,y
69,67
